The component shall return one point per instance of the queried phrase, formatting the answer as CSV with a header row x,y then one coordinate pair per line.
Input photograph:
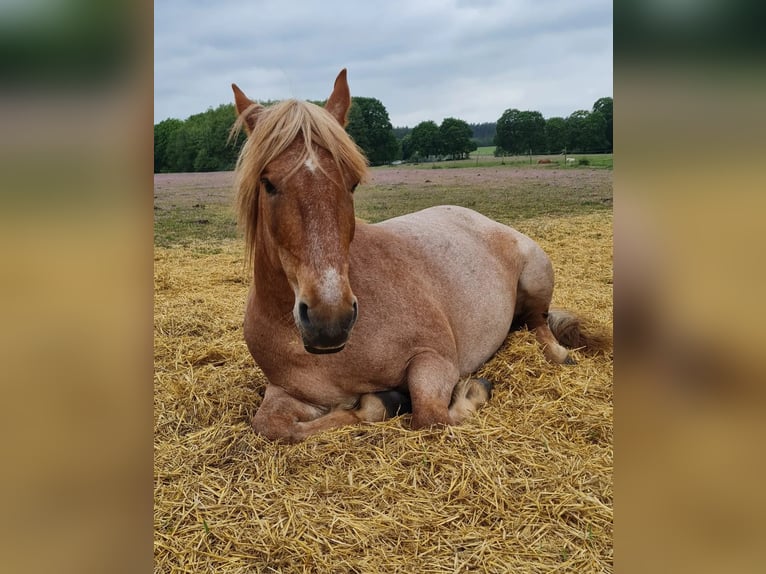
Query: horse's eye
x,y
268,186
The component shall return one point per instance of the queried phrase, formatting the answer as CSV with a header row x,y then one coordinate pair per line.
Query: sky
x,y
423,59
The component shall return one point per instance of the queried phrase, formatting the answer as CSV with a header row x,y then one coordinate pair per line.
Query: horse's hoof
x,y
487,386
569,360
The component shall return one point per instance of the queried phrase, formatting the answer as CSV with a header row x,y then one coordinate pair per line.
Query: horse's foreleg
x,y
469,395
279,413
371,408
430,379
285,418
437,396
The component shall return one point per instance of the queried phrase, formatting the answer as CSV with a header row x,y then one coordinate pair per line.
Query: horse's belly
x,y
471,266
482,312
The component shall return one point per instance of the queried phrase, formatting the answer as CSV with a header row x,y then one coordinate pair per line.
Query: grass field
x,y
484,157
197,208
524,486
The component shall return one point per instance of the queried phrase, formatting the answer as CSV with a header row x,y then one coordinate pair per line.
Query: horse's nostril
x,y
355,310
303,313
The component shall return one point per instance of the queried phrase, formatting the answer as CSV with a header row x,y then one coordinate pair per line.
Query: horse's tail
x,y
573,332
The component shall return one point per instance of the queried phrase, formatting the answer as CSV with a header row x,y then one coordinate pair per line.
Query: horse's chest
x,y
322,379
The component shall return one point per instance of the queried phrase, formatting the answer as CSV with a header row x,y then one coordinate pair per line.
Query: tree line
x,y
201,142
520,132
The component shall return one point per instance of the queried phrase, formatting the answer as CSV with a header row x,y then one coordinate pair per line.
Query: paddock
x,y
524,486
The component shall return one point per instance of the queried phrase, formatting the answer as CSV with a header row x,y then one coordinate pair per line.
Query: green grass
x,y
484,150
507,205
603,161
186,225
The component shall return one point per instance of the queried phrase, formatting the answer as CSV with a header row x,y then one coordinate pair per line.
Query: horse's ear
x,y
340,100
242,103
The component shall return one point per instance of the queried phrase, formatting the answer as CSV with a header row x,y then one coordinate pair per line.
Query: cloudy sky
x,y
423,59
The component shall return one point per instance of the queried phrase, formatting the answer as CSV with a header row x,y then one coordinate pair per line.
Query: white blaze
x,y
330,286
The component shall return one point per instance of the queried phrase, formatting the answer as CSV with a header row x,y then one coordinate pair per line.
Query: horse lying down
x,y
352,321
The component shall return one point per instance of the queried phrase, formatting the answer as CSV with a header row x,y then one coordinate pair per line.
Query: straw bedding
x,y
524,486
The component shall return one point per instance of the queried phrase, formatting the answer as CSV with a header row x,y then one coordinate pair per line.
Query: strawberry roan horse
x,y
354,322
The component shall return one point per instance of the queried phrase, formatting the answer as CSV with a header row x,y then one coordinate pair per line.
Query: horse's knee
x,y
431,378
272,429
279,415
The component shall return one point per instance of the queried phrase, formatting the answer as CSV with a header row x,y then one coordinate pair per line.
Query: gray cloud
x,y
423,60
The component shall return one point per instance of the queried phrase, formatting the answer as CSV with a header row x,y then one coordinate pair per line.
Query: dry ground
x,y
525,486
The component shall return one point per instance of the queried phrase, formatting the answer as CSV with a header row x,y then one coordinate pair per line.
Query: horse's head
x,y
296,175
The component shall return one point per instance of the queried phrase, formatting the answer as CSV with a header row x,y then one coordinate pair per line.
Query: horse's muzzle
x,y
324,333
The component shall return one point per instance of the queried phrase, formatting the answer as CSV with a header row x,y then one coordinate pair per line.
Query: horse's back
x,y
471,265
461,233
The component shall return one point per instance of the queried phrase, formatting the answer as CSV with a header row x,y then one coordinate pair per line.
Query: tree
x,y
406,145
586,131
164,132
455,136
209,132
576,130
370,127
605,106
400,132
595,132
200,129
505,134
424,139
181,150
484,133
555,134
199,143
520,132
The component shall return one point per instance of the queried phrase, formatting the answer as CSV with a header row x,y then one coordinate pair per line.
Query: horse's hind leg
x,y
537,321
534,294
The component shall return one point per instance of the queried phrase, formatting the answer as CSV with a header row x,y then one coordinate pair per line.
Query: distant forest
x,y
200,143
482,134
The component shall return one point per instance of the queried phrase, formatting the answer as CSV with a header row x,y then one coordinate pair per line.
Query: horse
x,y
353,322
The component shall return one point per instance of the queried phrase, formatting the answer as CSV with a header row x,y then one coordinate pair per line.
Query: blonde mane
x,y
276,127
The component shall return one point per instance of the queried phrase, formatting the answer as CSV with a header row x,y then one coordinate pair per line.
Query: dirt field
x,y
568,178
525,486
186,189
